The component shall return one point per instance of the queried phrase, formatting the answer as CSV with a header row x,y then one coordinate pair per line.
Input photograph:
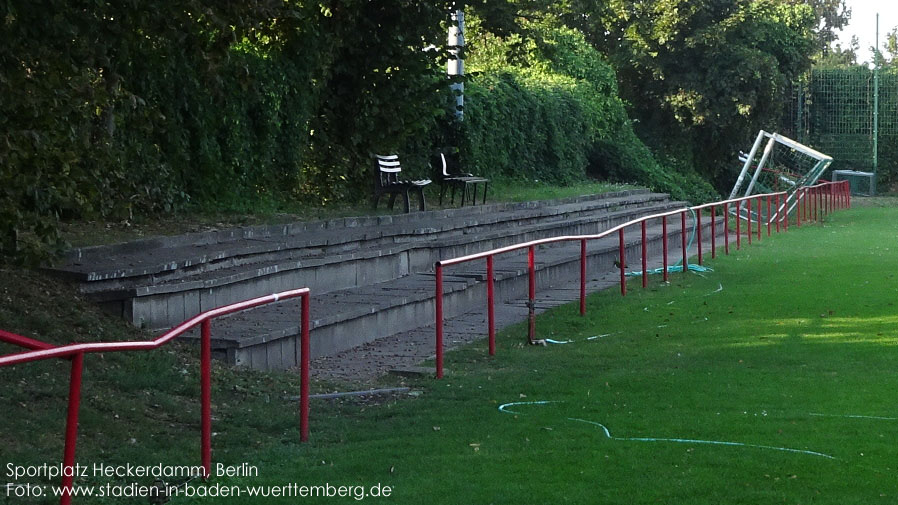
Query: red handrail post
x,y
304,375
531,304
71,428
785,212
768,215
491,305
664,244
816,194
645,270
748,214
623,262
206,396
760,223
798,203
438,271
726,229
583,277
683,239
779,216
713,231
698,236
738,226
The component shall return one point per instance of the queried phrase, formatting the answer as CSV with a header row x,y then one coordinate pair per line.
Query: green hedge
x,y
111,109
545,106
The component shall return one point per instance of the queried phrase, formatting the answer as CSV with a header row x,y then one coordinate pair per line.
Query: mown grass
x,y
770,349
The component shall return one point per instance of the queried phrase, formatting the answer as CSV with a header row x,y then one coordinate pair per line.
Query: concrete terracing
x,y
370,277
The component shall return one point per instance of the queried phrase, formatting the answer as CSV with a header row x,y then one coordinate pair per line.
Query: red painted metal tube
x,y
683,240
748,214
491,304
779,216
583,277
698,231
664,245
738,225
726,229
785,213
713,231
19,340
438,272
760,223
816,195
67,351
769,217
71,427
798,204
622,257
531,268
645,260
206,396
304,368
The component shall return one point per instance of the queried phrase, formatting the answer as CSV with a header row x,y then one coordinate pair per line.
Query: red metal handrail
x,y
836,195
75,352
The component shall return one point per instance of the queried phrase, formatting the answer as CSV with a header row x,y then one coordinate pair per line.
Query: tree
x,y
832,16
702,73
891,46
839,56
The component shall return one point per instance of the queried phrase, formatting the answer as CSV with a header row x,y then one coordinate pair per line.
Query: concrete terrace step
x,y
157,283
190,251
265,338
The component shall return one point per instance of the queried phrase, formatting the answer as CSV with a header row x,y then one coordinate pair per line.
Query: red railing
x,y
808,203
75,352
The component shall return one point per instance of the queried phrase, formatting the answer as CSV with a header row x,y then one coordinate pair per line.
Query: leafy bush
x,y
109,110
544,105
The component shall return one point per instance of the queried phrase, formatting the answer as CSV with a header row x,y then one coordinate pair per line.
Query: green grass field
x,y
776,374
775,349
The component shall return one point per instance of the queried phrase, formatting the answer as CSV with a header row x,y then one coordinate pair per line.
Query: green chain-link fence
x,y
835,111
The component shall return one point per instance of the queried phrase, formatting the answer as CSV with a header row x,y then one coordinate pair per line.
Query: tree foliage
x,y
113,108
704,73
562,96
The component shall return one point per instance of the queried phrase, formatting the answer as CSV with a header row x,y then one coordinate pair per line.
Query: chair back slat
x,y
388,163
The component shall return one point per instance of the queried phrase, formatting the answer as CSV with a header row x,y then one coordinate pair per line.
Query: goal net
x,y
776,163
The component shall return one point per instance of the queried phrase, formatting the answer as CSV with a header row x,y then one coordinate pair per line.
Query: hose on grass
x,y
505,409
677,267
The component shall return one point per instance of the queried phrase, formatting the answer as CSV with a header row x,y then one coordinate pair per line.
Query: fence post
x,y
797,208
645,272
531,304
785,216
779,216
664,245
726,229
713,231
760,223
306,357
622,257
738,225
491,304
206,395
683,239
438,271
748,203
71,428
768,215
698,236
